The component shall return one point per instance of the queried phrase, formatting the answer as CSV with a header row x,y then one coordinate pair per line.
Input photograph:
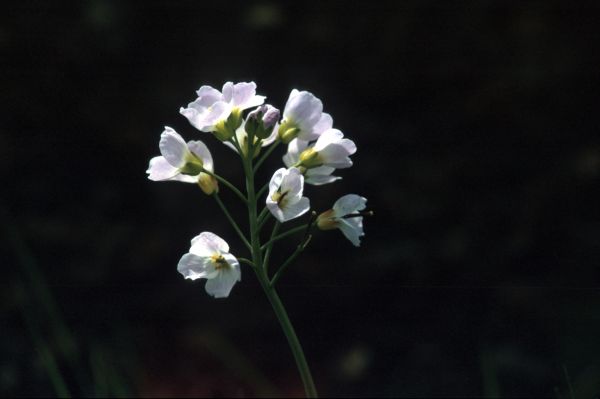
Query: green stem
x,y
287,233
233,223
228,184
266,155
270,292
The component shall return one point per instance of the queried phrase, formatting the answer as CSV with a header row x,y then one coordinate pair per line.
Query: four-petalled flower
x,y
303,117
345,215
181,161
220,112
209,258
285,200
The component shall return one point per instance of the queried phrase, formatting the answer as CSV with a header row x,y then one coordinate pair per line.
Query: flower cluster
x,y
315,149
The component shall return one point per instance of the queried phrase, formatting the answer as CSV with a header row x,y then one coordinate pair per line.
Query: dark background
x,y
478,149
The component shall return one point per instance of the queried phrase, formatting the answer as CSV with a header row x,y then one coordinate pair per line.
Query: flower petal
x,y
208,244
320,175
292,182
304,109
325,123
159,169
295,147
276,180
221,285
194,267
349,203
201,151
352,228
172,147
294,209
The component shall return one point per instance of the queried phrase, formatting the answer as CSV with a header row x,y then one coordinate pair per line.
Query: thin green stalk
x,y
265,265
289,260
246,261
262,222
262,190
270,292
228,184
287,233
233,223
266,155
262,217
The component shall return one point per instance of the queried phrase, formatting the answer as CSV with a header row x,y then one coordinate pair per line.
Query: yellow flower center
x,y
219,261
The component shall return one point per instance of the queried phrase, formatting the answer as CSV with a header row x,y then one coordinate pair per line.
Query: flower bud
x,y
208,184
261,121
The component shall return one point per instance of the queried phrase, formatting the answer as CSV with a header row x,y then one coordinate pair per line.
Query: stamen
x,y
359,214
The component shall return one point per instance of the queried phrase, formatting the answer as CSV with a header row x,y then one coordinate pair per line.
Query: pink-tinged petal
x,y
208,96
218,111
172,147
227,90
292,210
244,95
201,151
325,123
349,203
194,267
304,109
221,285
159,169
208,244
352,229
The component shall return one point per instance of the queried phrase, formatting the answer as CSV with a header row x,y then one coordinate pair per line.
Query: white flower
x,y
345,215
302,117
209,258
315,176
212,107
180,161
285,200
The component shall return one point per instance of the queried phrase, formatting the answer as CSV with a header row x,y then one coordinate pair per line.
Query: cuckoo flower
x,y
302,117
331,149
285,200
209,258
220,112
181,161
345,215
315,176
